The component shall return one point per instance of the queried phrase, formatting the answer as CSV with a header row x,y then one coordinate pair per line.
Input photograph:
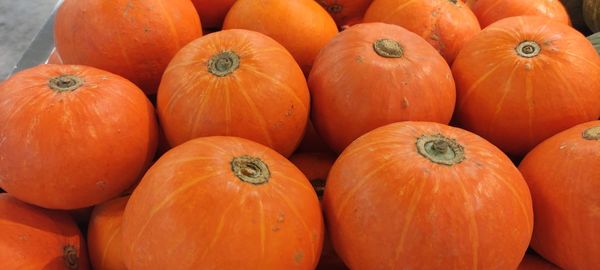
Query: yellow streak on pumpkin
x,y
167,15
227,111
515,194
530,106
473,229
279,84
348,154
218,231
292,180
259,116
410,214
507,89
399,8
108,247
473,86
262,229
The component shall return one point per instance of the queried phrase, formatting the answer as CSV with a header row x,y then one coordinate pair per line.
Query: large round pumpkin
x,y
563,174
222,203
73,136
346,12
301,26
419,195
238,83
524,79
36,238
490,11
212,12
375,74
446,24
104,235
132,38
535,262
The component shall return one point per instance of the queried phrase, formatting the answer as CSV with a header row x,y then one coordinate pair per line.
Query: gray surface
x,y
20,21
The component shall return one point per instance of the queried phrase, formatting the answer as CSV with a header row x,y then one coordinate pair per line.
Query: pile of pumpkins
x,y
302,134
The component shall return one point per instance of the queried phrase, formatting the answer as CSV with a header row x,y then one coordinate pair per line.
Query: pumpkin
x,y
520,81
532,261
490,11
575,10
315,167
591,15
346,12
54,58
563,173
132,38
446,24
301,26
212,12
229,203
422,195
312,142
236,83
375,74
104,235
36,238
73,136
595,40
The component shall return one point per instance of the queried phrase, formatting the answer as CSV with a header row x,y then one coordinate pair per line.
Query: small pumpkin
x,y
235,83
104,235
229,203
212,12
36,238
73,136
490,11
519,82
301,26
595,40
375,74
532,261
446,24
346,12
563,174
135,39
426,196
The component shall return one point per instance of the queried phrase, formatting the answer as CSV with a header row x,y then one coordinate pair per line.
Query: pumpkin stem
x,y
223,64
250,170
528,49
592,134
440,149
70,257
65,83
319,186
388,48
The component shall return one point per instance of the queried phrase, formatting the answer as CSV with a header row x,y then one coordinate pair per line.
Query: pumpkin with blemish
x,y
37,238
135,39
375,74
563,173
446,24
222,203
234,83
346,12
490,11
73,136
421,195
104,235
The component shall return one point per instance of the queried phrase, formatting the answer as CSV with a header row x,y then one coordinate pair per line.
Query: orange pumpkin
x,y
346,12
534,262
235,83
228,203
446,24
301,26
212,12
104,235
73,136
422,195
375,74
563,174
36,238
524,79
490,11
132,38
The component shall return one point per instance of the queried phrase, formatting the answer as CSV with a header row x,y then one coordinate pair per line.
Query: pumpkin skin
x,y
104,235
517,101
387,183
193,199
263,95
533,261
446,24
490,11
135,39
345,12
72,147
563,173
301,26
212,12
36,238
416,84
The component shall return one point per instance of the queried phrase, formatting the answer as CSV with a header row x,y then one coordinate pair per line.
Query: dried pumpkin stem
x,y
70,257
440,149
223,64
592,134
388,48
528,49
65,83
250,170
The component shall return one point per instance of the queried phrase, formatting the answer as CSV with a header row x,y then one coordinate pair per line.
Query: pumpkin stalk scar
x,y
528,49
70,257
65,83
388,48
250,170
440,149
223,64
